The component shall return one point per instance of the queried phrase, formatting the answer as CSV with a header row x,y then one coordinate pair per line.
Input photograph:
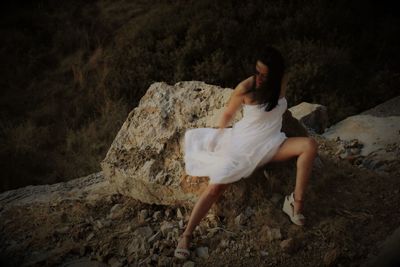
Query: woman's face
x,y
261,73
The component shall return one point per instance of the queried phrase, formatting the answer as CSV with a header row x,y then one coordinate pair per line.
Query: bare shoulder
x,y
244,85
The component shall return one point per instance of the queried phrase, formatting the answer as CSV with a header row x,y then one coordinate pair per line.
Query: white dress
x,y
250,143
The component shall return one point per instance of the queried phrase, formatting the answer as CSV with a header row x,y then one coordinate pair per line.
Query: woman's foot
x,y
298,208
293,208
182,249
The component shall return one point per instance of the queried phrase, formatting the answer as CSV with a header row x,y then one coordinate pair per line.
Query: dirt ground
x,y
349,212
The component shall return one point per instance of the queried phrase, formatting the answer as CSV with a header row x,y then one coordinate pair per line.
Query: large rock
x,y
313,116
386,109
375,133
89,188
145,161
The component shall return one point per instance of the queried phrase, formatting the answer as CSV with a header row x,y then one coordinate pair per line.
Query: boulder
x,y
89,188
371,139
386,109
313,116
374,133
145,161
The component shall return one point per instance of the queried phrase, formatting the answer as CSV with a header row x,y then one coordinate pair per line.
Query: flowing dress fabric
x,y
250,143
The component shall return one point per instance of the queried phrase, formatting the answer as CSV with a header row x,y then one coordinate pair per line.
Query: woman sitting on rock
x,y
226,155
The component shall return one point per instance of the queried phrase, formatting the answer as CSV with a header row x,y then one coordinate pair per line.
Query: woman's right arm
x,y
234,104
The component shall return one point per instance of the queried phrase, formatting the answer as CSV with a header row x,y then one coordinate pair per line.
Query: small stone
x,y
164,261
157,215
248,212
188,264
224,243
274,234
167,213
154,237
181,225
276,198
115,212
239,220
355,151
202,252
263,253
107,223
144,231
154,257
288,245
114,262
90,236
179,214
99,224
345,154
143,214
63,230
331,257
353,143
82,250
166,227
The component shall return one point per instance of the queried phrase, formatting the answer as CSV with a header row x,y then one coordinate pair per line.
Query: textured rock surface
x,y
386,109
371,139
88,188
313,116
375,133
145,160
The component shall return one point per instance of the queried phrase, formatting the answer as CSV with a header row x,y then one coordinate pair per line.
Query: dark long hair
x,y
269,90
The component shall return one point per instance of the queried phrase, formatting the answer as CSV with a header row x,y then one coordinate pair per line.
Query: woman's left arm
x,y
234,103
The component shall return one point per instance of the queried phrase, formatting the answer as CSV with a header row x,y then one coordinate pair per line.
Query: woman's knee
x,y
311,146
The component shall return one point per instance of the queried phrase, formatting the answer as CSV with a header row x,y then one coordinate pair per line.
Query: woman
x,y
226,155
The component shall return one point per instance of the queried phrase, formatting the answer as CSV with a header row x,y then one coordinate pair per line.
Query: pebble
x,y
166,227
99,224
90,236
288,245
248,212
179,214
239,220
115,212
63,230
143,214
355,151
144,231
157,215
330,257
224,243
154,257
188,264
154,237
114,262
167,213
202,252
276,198
274,233
263,253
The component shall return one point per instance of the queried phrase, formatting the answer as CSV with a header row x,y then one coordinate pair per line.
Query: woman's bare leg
x,y
202,206
305,148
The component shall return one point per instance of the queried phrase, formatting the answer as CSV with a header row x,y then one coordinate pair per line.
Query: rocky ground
x,y
353,205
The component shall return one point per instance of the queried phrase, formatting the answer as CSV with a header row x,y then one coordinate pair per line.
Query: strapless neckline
x,y
244,104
